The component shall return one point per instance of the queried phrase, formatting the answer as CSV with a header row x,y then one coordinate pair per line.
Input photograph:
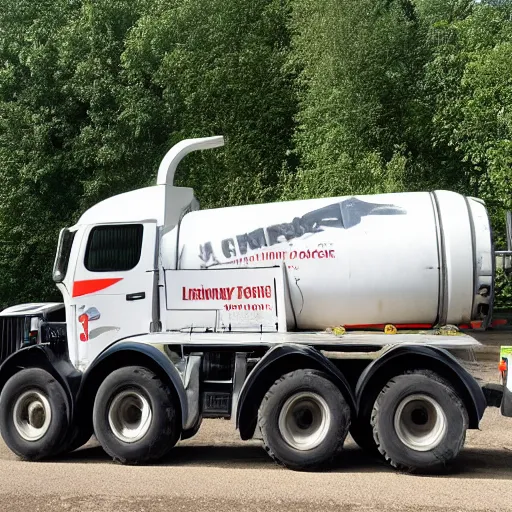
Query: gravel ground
x,y
216,471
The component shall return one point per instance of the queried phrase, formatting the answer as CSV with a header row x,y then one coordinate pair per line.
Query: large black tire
x,y
135,396
419,422
33,414
304,420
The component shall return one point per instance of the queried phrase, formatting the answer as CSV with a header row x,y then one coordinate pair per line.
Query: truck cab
x,y
107,274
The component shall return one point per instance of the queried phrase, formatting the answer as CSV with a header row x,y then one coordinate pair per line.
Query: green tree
x,y
214,67
359,65
93,93
34,130
471,75
315,98
61,145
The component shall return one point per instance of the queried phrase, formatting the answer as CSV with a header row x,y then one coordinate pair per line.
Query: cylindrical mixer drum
x,y
405,258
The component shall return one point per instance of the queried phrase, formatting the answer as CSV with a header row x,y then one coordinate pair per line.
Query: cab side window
x,y
114,248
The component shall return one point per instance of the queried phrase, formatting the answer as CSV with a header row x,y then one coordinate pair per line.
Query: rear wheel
x,y
419,422
304,420
33,414
135,417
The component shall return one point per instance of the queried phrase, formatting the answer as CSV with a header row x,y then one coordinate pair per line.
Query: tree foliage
x,y
315,98
472,77
93,93
208,67
358,65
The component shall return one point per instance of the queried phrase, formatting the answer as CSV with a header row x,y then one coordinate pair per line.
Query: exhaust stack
x,y
179,151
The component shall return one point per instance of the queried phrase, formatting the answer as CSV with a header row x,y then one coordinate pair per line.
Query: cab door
x,y
114,287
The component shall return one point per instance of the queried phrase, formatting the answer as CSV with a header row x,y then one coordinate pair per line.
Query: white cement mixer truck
x,y
273,315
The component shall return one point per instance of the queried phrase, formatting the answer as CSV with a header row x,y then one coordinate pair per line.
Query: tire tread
x,y
262,422
376,411
165,439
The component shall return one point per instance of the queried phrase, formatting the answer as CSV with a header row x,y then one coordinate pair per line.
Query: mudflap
x,y
493,394
506,404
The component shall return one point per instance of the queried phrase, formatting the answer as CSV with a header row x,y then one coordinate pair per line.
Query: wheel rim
x,y
304,420
32,415
420,422
129,416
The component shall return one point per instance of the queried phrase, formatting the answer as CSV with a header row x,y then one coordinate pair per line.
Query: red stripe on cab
x,y
92,285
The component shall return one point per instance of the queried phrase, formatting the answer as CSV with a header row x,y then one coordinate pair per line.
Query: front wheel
x,y
33,414
304,420
419,422
135,417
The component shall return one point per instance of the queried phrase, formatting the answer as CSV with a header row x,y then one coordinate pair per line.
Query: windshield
x,y
63,251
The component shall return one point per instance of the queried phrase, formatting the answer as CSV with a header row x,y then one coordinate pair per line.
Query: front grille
x,y
12,334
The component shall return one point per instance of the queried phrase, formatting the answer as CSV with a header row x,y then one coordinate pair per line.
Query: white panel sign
x,y
243,298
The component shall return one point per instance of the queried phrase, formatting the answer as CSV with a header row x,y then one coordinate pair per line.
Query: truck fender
x,y
402,358
130,353
41,356
276,362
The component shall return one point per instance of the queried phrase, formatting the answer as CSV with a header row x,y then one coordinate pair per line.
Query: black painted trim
x,y
148,350
475,402
276,356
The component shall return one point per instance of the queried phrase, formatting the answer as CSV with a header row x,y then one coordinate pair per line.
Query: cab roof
x,y
135,206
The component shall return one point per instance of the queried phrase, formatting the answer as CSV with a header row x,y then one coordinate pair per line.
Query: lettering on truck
x,y
342,215
319,254
231,293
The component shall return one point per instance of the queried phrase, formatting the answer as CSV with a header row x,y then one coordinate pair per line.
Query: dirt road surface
x,y
215,471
